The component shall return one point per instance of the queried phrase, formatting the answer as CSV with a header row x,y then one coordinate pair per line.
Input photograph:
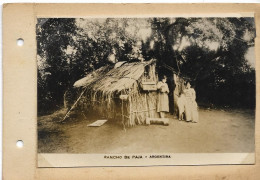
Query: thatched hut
x,y
125,91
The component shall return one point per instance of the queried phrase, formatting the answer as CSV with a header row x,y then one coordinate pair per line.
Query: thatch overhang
x,y
111,79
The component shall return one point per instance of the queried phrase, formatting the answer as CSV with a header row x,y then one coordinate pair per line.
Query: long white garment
x,y
163,99
181,103
191,107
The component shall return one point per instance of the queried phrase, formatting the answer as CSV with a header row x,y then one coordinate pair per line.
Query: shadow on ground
x,y
229,131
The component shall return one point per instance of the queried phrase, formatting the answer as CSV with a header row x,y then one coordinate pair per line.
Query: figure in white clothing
x,y
181,103
191,107
163,99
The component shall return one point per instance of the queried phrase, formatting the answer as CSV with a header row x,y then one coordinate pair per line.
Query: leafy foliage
x,y
210,52
53,38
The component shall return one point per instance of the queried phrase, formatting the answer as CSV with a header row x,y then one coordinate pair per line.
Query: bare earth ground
x,y
217,131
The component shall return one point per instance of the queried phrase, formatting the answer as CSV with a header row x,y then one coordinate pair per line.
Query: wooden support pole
x,y
74,105
123,117
130,111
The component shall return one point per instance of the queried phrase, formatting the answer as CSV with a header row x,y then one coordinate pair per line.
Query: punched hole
x,y
19,143
20,42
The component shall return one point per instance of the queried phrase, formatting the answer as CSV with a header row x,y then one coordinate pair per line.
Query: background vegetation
x,y
210,52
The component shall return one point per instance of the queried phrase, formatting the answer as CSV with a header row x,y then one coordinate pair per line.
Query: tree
x,y
53,35
67,49
209,51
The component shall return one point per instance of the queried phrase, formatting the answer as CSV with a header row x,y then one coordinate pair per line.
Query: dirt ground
x,y
217,131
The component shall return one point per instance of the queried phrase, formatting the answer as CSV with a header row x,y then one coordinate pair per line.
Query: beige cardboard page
x,y
20,100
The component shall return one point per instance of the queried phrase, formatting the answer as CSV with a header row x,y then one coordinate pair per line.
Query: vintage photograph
x,y
146,85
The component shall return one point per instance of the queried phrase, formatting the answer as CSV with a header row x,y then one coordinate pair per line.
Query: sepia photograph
x,y
146,85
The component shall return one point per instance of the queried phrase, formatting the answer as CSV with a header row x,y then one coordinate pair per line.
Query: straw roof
x,y
109,79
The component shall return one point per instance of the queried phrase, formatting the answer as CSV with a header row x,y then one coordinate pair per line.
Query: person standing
x,y
163,99
181,103
191,107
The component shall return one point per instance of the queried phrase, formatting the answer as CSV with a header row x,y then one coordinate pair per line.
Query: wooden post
x,y
123,118
147,107
130,110
74,105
